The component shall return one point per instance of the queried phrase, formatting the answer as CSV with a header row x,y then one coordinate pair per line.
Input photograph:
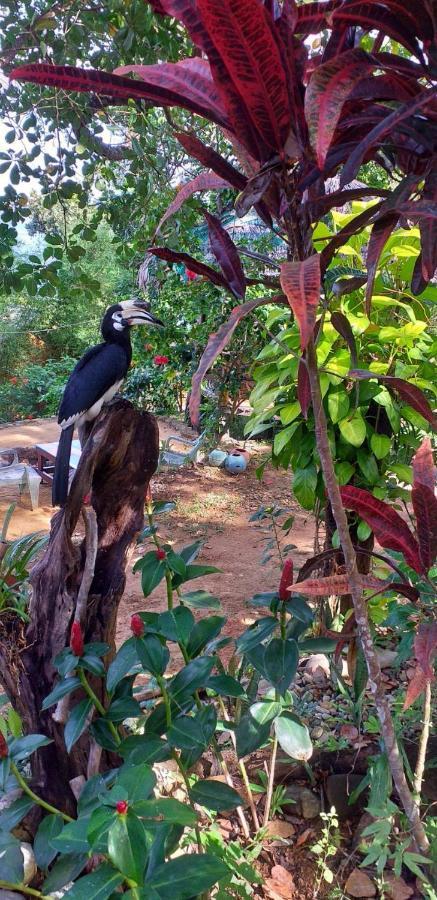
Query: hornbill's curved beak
x,y
137,312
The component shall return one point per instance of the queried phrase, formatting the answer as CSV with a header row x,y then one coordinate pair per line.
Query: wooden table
x,y
47,458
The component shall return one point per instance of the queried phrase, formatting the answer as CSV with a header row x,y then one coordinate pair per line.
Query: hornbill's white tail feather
x,y
62,467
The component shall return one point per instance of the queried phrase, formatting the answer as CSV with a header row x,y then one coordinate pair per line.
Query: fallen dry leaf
x,y
350,732
302,839
280,885
277,828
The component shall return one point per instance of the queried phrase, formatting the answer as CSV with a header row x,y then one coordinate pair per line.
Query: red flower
x,y
76,639
30,416
122,807
286,580
160,554
160,360
137,625
190,275
13,379
4,749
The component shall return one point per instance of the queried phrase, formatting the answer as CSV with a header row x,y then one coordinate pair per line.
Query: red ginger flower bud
x,y
286,580
4,749
160,554
76,639
137,625
122,807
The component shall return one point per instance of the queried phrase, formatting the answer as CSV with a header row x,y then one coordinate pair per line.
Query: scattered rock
x,y
277,829
280,885
397,888
307,696
338,790
302,802
317,732
350,732
386,657
359,885
29,863
318,667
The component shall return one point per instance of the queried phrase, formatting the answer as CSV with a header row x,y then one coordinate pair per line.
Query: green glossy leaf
x,y
353,429
141,748
77,722
304,486
293,737
381,445
138,781
317,645
127,846
257,633
65,869
102,733
204,631
176,624
163,506
124,708
99,824
264,711
200,600
11,859
225,686
152,571
338,405
176,563
190,678
21,748
48,829
215,795
280,663
154,656
368,466
193,732
125,660
187,876
73,837
166,810
344,471
61,690
99,885
250,735
13,814
299,608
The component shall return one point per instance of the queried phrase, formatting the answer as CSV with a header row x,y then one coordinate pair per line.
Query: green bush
x,y
37,392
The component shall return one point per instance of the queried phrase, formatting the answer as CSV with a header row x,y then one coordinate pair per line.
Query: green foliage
x,y
36,391
15,559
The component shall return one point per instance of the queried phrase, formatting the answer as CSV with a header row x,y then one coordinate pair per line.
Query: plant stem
x,y
421,756
376,685
20,888
271,782
99,706
38,800
243,770
169,590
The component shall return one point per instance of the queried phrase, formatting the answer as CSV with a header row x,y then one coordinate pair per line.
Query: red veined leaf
x,y
301,282
216,343
157,7
343,326
424,470
318,208
428,232
303,388
211,159
425,509
328,89
226,255
193,264
391,86
186,11
187,83
393,18
311,17
418,283
421,210
379,236
336,585
253,191
342,236
205,181
242,35
425,647
415,687
387,125
389,529
412,395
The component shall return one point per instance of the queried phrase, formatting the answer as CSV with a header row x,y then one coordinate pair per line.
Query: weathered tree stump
x,y
115,467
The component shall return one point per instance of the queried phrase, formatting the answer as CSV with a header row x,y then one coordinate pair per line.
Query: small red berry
x,y
137,625
4,749
76,639
121,807
160,554
286,580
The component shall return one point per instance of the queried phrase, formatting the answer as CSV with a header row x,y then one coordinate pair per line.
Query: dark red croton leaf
x,y
425,503
343,326
301,282
216,343
205,181
193,264
211,159
411,394
425,646
226,255
389,528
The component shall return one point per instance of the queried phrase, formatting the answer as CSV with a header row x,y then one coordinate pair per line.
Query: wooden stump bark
x,y
115,467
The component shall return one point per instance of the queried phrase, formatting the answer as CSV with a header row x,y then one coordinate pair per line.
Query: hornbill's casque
x,y
95,380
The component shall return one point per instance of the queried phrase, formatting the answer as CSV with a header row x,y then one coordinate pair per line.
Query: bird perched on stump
x,y
95,380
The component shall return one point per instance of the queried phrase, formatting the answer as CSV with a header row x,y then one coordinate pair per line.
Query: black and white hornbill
x,y
95,380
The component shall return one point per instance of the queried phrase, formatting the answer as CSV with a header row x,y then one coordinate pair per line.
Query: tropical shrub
x,y
36,391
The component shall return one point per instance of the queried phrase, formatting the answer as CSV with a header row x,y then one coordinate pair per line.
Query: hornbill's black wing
x,y
99,369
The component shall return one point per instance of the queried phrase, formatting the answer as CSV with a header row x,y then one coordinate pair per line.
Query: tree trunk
x,y
116,466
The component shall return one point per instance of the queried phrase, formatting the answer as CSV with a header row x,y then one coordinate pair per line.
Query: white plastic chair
x,y
16,473
176,458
